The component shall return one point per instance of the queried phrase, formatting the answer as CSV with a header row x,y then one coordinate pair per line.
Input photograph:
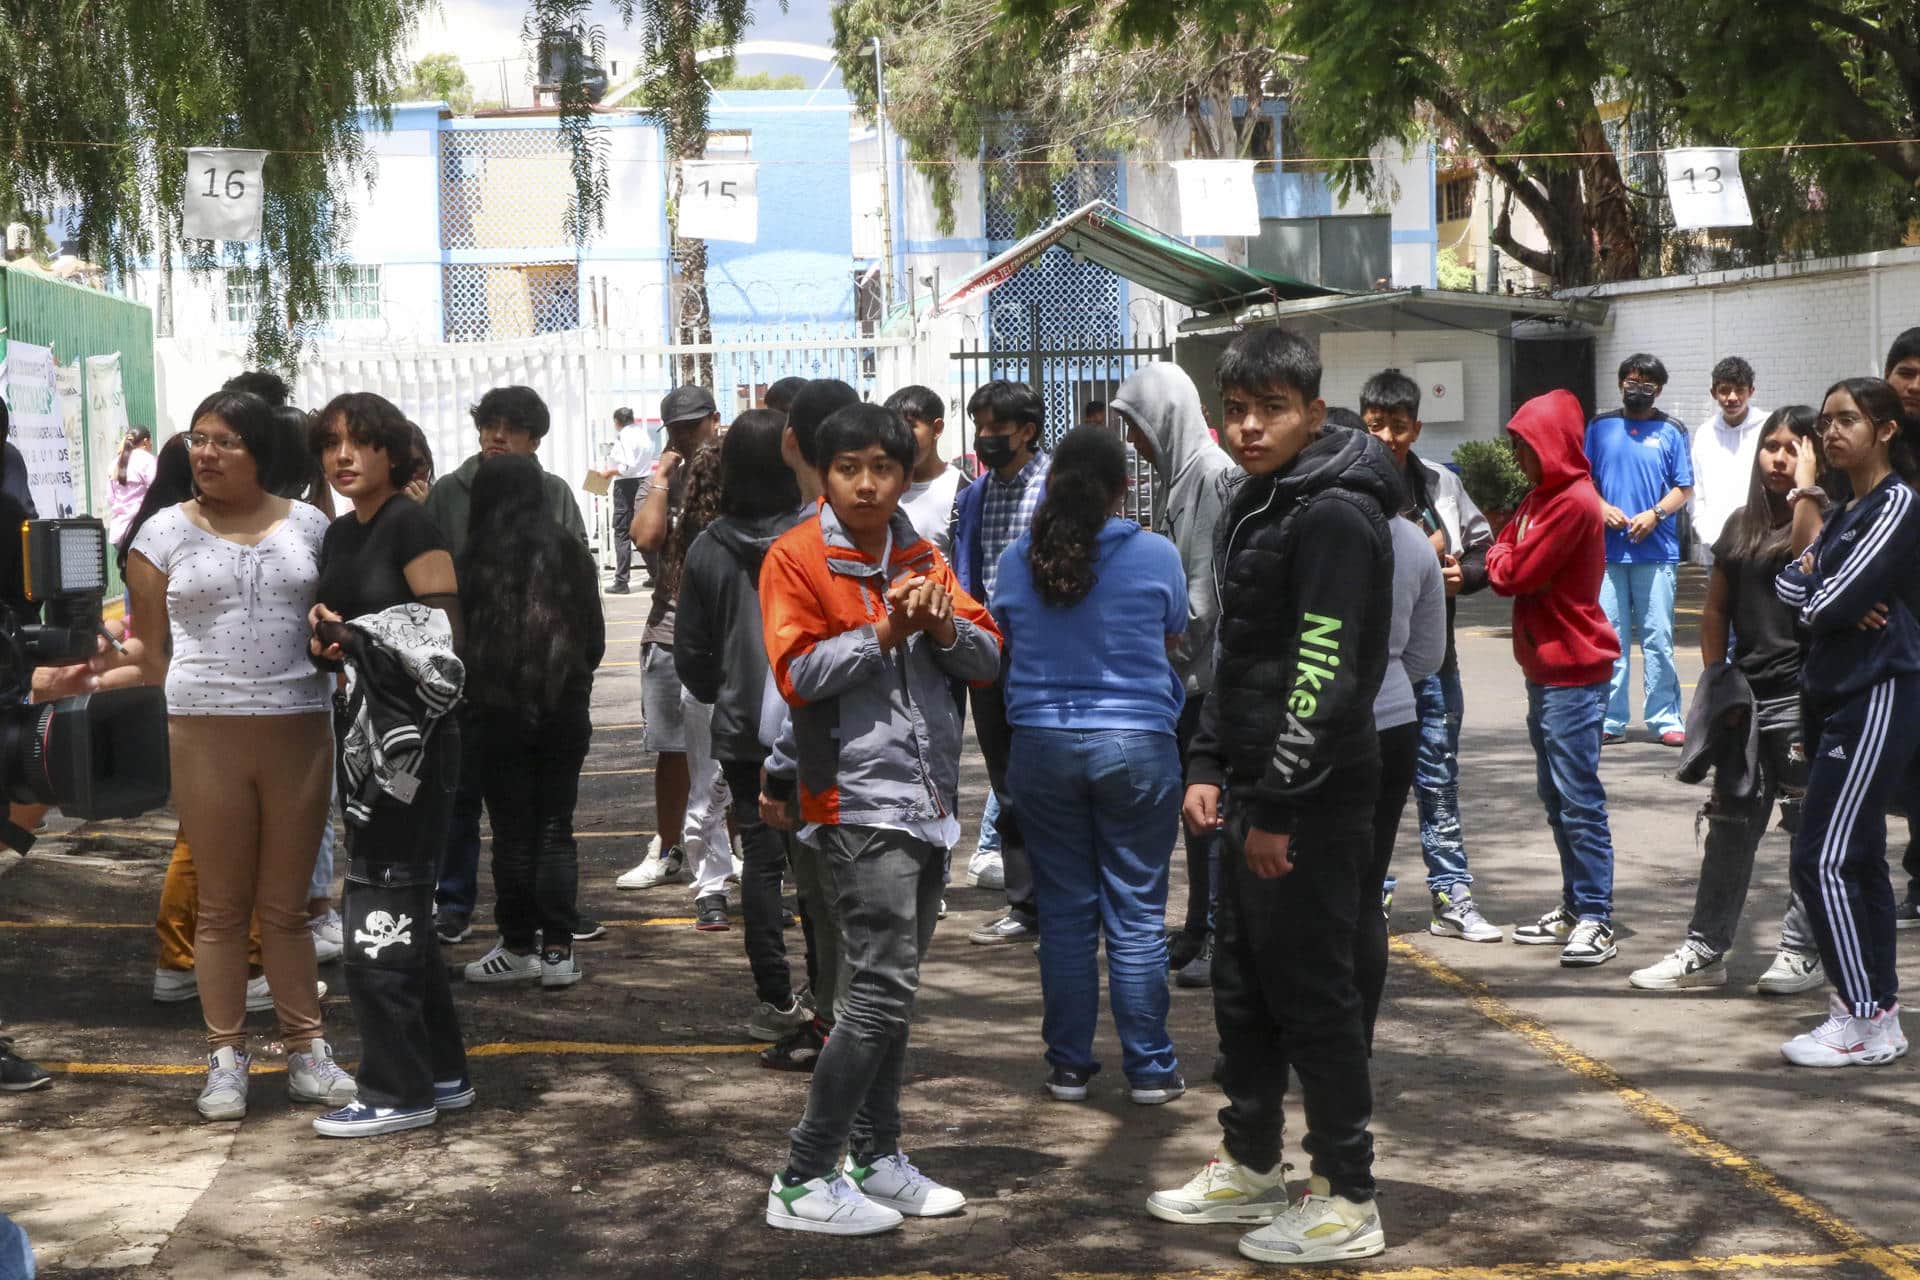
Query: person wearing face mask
x,y
1644,472
989,517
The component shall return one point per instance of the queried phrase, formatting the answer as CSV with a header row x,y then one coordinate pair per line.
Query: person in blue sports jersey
x,y
1860,600
1644,472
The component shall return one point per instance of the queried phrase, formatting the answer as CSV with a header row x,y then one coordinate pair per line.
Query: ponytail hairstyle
x,y
1759,530
1087,479
1876,398
699,507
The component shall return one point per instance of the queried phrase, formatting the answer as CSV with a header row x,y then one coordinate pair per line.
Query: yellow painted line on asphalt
x,y
519,1049
1660,1115
605,665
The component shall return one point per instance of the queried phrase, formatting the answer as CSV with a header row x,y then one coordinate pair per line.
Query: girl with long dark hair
x,y
534,636
1859,599
384,555
1091,607
1768,649
720,656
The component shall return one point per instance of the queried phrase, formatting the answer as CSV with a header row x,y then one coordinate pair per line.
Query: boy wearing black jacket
x,y
1304,563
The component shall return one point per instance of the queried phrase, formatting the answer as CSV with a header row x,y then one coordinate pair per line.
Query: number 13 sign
x,y
1704,187
719,200
223,194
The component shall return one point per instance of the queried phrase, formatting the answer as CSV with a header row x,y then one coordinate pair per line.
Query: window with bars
x,y
353,293
503,189
485,301
1456,197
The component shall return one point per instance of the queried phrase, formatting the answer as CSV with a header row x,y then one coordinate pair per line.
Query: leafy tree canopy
x,y
440,77
759,80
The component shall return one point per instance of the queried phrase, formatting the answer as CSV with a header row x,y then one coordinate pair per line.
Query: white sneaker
x,y
224,1096
771,1022
1690,965
1790,972
985,870
830,1206
659,867
1550,930
1846,1041
173,986
1319,1227
502,965
1456,916
260,995
894,1182
1223,1191
329,940
314,1076
557,970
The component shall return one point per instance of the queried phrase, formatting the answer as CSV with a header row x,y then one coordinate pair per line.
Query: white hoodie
x,y
1722,467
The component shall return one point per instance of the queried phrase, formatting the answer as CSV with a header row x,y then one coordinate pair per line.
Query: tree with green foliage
x,y
99,101
439,77
760,81
1046,98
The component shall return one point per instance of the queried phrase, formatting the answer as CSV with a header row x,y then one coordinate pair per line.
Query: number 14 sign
x,y
719,200
1704,187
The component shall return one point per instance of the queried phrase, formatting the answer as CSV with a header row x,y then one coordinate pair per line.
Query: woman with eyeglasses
x,y
218,591
1859,599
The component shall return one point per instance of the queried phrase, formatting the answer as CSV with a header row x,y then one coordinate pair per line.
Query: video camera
x,y
99,755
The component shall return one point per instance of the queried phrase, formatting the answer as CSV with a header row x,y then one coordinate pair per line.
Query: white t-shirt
x,y
1722,469
633,452
239,615
929,504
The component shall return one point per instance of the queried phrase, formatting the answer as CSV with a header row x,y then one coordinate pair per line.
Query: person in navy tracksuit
x,y
1859,599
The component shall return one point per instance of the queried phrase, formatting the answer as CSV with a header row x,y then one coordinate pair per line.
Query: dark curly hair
x,y
699,507
529,593
371,420
1088,476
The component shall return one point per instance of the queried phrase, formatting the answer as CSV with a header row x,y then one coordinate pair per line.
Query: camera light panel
x,y
83,559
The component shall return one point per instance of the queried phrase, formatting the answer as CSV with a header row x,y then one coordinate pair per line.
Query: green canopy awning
x,y
1148,257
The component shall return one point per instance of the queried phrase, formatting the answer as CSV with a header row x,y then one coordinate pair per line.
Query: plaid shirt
x,y
1006,512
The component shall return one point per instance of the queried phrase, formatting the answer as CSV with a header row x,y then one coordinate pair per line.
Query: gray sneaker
x,y
1455,916
224,1097
1197,972
314,1076
1008,929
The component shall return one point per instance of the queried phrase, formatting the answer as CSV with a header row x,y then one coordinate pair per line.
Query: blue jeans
x,y
16,1255
1563,723
1436,782
989,841
1638,599
1101,811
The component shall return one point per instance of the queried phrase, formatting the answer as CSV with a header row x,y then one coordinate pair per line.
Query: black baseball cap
x,y
685,404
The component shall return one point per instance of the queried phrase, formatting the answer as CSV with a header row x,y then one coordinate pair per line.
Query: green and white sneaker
x,y
830,1206
892,1181
1223,1191
1318,1227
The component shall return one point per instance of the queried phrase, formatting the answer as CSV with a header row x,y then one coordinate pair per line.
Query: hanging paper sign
x,y
107,425
1704,187
1217,198
223,194
719,200
73,417
34,399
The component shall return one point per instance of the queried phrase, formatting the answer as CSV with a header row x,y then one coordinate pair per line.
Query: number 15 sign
x,y
719,200
223,194
1704,187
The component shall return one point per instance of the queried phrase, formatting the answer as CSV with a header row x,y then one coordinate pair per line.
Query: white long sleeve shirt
x,y
633,452
1722,469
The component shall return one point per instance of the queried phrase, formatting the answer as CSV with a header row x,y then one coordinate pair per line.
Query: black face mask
x,y
1638,399
994,452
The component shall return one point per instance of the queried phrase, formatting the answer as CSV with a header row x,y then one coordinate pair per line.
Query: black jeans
x,y
1283,986
1203,851
623,495
996,741
459,888
396,982
1399,755
763,859
532,771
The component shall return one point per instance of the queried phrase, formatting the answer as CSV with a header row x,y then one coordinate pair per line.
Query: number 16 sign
x,y
223,194
1704,187
719,200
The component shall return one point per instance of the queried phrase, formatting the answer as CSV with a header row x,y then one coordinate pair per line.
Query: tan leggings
x,y
252,794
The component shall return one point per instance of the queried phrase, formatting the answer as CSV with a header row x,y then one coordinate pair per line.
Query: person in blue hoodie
x,y
1860,601
1091,611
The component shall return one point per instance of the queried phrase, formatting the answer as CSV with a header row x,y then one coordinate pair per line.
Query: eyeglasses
x,y
1635,384
225,444
1827,422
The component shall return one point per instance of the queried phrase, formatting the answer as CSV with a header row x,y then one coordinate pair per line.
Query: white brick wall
x,y
1803,326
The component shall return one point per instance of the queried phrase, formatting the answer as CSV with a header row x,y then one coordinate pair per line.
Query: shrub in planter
x,y
1492,478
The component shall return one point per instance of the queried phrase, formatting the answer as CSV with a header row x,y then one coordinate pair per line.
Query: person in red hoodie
x,y
1550,559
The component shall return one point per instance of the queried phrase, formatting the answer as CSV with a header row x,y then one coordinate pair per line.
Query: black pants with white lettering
x,y
396,979
1284,993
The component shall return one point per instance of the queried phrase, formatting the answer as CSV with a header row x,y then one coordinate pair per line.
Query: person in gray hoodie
x,y
1166,426
720,656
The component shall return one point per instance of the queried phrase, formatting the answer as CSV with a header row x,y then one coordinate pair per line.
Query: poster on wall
x,y
106,424
33,398
1704,188
67,386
